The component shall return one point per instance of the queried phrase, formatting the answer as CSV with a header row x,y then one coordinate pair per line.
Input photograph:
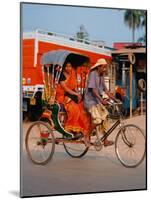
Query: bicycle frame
x,y
113,127
110,130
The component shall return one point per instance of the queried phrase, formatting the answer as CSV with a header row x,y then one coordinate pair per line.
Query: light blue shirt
x,y
94,81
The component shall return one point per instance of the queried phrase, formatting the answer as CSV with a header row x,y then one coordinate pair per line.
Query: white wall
x,y
9,101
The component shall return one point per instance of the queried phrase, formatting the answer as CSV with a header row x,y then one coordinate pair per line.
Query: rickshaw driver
x,y
93,101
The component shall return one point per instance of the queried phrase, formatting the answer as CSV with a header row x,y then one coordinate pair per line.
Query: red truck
x,y
34,44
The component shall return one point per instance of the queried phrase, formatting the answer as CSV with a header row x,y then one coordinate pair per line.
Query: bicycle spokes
x,y
130,145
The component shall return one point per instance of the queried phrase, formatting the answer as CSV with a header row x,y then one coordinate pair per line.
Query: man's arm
x,y
95,92
109,94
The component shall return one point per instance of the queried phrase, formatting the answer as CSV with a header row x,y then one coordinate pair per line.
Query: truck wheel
x,y
32,115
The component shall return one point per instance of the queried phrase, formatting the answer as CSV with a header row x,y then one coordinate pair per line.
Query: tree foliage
x,y
135,19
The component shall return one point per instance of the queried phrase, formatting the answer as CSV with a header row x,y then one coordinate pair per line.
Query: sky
x,y
100,23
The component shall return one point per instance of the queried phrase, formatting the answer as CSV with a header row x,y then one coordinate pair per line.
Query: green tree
x,y
143,16
82,34
132,19
143,25
142,39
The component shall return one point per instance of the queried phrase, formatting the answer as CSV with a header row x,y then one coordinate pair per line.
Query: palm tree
x,y
143,16
132,18
143,24
142,39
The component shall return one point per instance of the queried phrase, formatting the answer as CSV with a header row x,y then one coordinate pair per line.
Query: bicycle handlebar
x,y
113,103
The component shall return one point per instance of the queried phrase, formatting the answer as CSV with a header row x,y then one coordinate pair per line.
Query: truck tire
x,y
35,111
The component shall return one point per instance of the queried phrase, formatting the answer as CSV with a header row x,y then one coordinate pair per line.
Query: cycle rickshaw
x,y
40,141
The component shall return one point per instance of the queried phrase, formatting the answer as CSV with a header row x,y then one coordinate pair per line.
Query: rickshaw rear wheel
x,y
75,149
40,142
46,120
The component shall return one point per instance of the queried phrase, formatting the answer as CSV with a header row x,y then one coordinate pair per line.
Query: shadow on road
x,y
14,193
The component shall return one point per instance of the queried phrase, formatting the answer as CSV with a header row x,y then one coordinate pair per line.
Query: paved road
x,y
95,172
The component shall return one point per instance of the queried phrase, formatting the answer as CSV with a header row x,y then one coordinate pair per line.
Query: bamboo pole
x,y
131,90
141,103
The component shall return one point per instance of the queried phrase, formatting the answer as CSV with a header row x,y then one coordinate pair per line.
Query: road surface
x,y
97,171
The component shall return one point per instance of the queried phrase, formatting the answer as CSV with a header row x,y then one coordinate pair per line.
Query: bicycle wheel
x,y
75,149
40,142
130,145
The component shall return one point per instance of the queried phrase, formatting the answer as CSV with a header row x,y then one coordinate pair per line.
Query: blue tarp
x,y
57,57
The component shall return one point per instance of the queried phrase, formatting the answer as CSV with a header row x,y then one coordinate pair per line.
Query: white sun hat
x,y
99,62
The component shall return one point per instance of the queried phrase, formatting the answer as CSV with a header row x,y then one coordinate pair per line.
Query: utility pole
x,y
131,58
